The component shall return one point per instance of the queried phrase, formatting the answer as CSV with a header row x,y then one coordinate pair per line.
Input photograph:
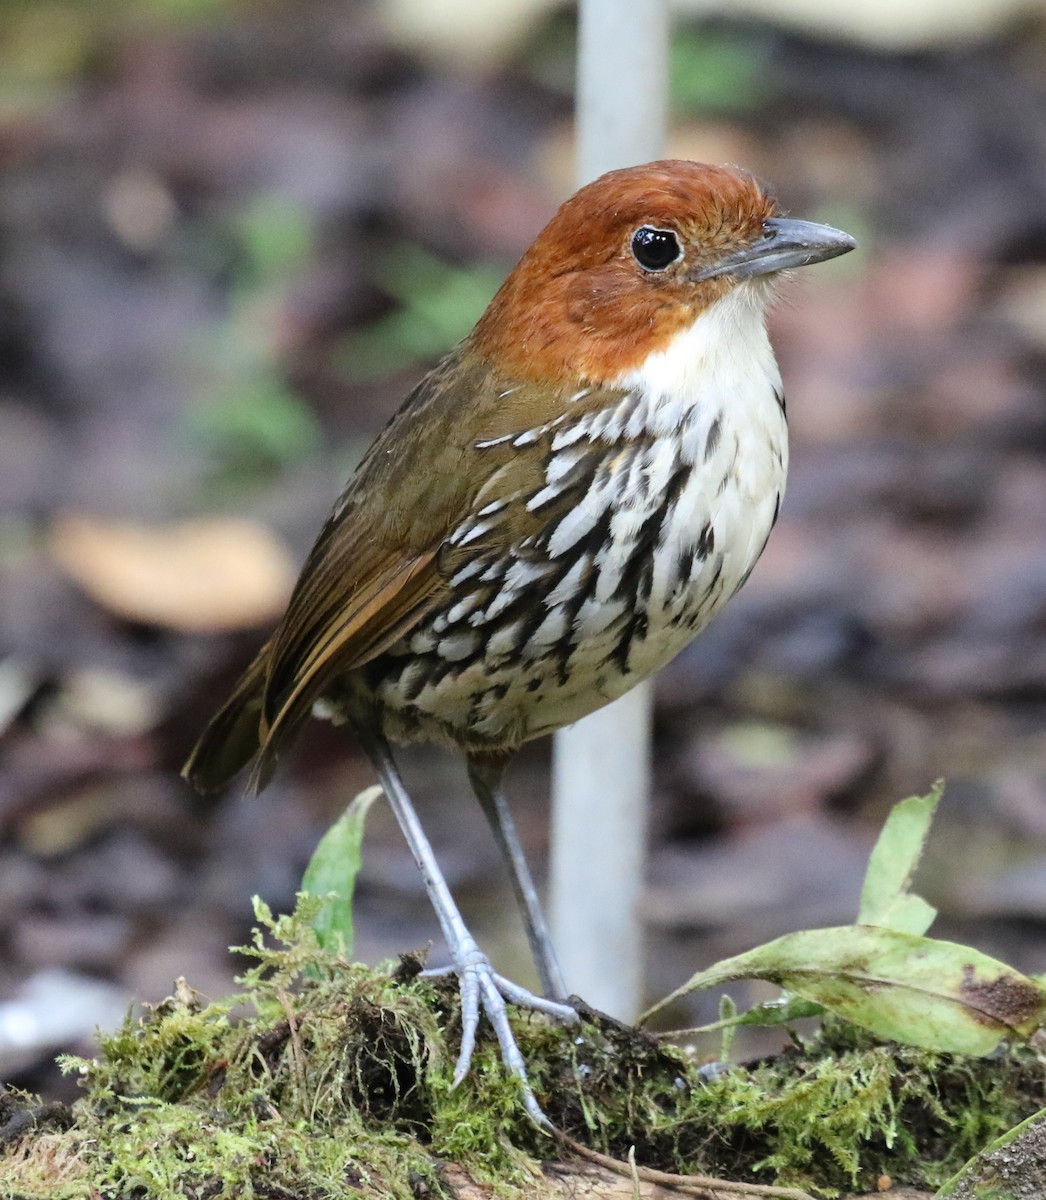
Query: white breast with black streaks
x,y
673,491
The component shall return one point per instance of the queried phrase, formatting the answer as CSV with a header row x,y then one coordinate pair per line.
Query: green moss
x,y
831,1113
333,1080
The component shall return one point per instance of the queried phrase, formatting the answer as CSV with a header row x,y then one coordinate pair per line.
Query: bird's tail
x,y
234,735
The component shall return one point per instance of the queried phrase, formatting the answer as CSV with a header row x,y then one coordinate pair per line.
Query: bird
x,y
559,506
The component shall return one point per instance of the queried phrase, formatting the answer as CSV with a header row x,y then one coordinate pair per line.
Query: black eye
x,y
655,249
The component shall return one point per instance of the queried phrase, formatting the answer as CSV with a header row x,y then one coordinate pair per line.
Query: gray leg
x,y
486,775
480,986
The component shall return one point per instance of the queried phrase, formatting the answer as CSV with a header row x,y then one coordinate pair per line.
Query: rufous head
x,y
634,257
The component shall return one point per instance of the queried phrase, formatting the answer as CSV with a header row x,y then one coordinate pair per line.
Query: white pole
x,y
600,777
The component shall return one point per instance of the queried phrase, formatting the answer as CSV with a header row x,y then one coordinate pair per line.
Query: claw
x,y
551,1008
469,988
482,989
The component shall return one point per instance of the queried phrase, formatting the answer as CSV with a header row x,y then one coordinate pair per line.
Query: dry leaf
x,y
201,576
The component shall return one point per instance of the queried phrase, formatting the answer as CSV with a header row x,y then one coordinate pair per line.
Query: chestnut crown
x,y
632,258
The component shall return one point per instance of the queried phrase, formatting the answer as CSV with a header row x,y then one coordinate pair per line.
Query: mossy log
x,y
335,1082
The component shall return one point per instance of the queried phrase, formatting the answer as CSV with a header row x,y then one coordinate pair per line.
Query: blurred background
x,y
233,233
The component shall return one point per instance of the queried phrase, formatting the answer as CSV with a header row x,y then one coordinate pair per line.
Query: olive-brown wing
x,y
368,578
254,721
379,565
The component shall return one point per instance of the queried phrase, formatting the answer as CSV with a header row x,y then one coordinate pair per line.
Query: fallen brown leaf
x,y
200,576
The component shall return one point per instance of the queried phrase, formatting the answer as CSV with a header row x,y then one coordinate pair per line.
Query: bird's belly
x,y
698,564
545,655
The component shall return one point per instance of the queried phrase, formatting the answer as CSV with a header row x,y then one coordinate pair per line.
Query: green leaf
x,y
885,899
727,1022
911,989
782,1011
332,870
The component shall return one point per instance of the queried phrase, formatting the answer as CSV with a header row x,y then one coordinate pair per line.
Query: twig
x,y
698,1185
297,1052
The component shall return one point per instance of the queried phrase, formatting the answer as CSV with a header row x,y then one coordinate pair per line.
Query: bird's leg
x,y
486,773
481,987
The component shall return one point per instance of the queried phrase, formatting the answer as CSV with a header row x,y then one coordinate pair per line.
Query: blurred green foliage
x,y
713,70
42,47
247,419
46,45
276,238
439,304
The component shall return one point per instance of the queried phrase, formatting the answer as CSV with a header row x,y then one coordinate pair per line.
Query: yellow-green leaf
x,y
910,989
885,899
332,870
774,1012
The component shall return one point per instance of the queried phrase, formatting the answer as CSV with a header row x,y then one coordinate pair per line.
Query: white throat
x,y
722,360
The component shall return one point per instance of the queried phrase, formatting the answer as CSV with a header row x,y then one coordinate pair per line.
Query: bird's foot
x,y
484,990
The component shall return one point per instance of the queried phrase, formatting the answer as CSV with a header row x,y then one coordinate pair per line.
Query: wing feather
x,y
382,561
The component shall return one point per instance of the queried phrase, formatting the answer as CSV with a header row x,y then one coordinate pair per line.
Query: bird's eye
x,y
655,249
